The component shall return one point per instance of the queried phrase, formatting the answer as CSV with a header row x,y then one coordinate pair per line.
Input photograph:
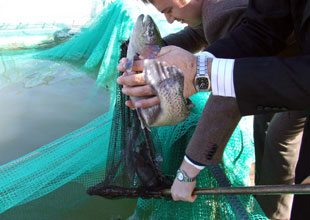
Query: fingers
x,y
138,91
138,65
131,79
177,197
130,104
135,85
122,65
185,198
145,103
183,191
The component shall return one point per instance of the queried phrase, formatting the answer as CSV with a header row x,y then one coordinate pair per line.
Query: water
x,y
69,203
42,101
32,116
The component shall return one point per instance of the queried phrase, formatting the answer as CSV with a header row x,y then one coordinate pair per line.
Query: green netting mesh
x,y
51,181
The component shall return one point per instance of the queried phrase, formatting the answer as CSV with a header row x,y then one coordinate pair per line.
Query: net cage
x,y
59,101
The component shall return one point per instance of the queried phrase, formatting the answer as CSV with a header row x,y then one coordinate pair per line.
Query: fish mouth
x,y
148,19
145,20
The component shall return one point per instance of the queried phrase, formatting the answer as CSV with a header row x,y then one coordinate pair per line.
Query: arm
x,y
264,31
217,123
190,38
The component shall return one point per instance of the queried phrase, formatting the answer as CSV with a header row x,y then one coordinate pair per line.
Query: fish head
x,y
146,38
150,32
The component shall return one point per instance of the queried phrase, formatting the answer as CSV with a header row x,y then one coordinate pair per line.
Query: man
x,y
240,49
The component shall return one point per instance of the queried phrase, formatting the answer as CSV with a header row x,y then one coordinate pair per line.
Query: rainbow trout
x,y
166,81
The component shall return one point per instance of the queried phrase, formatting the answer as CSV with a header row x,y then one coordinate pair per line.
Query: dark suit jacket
x,y
262,84
270,84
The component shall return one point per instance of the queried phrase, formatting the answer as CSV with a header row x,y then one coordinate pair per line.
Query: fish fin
x,y
190,105
130,55
143,122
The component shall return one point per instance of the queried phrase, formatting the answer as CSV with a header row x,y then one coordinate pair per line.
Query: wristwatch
x,y
182,176
202,80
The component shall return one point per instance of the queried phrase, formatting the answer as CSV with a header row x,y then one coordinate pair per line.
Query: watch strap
x,y
185,177
202,71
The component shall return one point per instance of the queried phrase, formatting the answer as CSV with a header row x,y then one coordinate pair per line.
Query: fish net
x,y
51,181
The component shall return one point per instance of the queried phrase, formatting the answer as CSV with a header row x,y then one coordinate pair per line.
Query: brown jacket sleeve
x,y
190,38
216,125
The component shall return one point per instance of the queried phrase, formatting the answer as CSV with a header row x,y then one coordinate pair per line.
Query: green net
x,y
50,182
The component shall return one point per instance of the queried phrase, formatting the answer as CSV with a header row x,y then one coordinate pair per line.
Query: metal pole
x,y
251,190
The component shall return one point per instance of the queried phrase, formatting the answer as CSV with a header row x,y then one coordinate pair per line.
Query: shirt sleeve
x,y
222,77
195,164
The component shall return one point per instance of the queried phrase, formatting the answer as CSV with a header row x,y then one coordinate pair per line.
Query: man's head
x,y
185,11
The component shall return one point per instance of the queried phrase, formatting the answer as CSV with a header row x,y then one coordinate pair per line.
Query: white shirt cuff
x,y
191,163
208,54
222,77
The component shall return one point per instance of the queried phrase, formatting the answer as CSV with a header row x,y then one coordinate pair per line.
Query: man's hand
x,y
184,190
185,61
135,85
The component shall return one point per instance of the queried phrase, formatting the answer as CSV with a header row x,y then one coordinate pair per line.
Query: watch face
x,y
202,83
180,176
